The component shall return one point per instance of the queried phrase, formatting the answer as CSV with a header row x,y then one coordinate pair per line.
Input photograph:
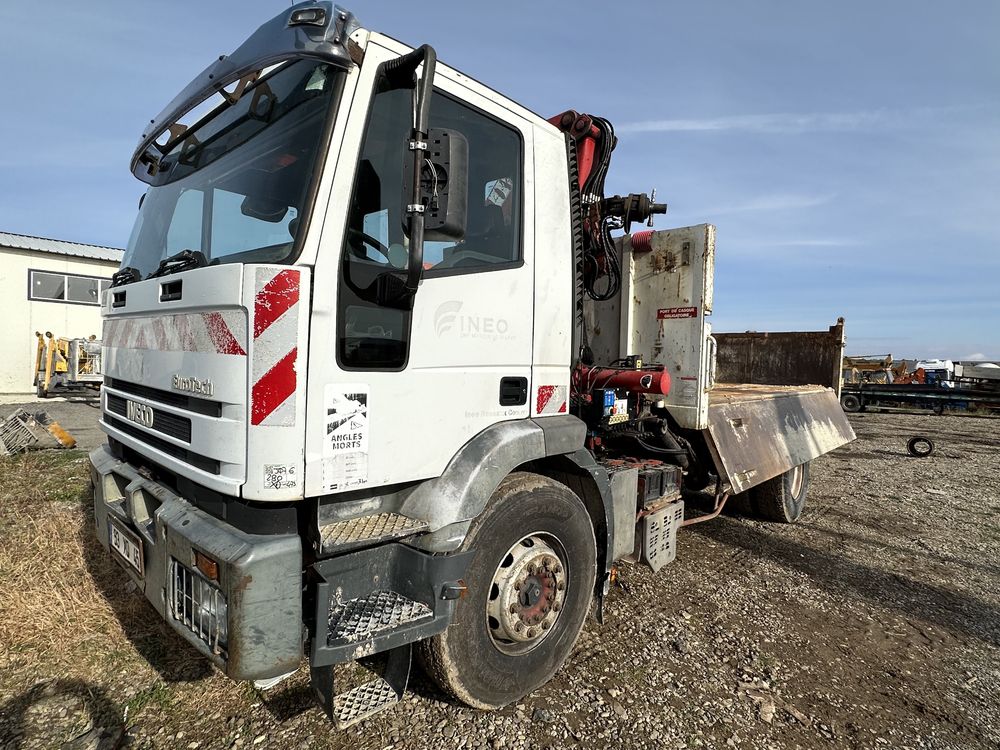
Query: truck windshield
x,y
234,188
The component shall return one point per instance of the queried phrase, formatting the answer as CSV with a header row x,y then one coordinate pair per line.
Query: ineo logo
x,y
444,318
448,318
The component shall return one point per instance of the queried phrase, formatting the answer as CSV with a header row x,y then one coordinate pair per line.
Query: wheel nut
x,y
546,625
551,596
518,627
557,568
532,632
562,586
513,608
546,608
556,607
531,568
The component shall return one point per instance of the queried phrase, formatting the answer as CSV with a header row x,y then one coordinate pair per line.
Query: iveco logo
x,y
139,413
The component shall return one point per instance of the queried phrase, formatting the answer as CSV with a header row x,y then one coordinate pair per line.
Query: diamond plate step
x,y
363,701
361,619
368,698
356,532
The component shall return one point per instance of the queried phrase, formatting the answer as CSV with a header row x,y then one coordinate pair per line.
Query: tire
x,y
920,446
782,498
478,659
850,403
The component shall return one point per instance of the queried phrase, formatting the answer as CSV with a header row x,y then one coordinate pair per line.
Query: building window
x,y
63,287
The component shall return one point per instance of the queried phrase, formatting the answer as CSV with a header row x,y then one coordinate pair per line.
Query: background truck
x,y
377,374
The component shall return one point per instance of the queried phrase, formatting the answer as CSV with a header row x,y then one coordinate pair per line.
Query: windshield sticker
x,y
345,436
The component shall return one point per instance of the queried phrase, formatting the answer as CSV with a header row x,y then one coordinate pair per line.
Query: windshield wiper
x,y
180,262
125,276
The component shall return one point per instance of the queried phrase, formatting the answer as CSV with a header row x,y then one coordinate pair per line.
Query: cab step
x,y
368,698
340,536
375,599
365,618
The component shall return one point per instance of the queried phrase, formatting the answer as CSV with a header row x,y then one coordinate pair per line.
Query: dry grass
x,y
68,616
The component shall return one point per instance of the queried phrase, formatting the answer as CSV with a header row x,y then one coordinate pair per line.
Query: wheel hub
x,y
796,483
527,593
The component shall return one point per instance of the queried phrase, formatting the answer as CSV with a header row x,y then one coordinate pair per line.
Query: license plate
x,y
126,545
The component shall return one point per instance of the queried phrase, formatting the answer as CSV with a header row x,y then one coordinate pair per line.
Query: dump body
x,y
782,358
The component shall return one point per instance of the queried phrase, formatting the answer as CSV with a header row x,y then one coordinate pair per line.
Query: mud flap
x,y
757,432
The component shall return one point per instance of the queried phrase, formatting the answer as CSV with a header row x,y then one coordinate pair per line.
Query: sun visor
x,y
318,30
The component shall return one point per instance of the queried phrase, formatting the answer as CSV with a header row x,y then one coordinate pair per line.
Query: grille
x,y
163,421
190,403
195,459
198,605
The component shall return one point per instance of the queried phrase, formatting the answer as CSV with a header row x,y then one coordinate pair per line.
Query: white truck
x,y
377,375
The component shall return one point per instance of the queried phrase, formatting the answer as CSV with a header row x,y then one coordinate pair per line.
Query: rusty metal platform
x,y
757,432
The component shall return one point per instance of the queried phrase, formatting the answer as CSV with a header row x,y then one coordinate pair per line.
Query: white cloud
x,y
813,242
789,123
772,202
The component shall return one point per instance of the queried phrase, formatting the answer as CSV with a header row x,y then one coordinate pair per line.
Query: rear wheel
x,y
782,498
850,403
530,585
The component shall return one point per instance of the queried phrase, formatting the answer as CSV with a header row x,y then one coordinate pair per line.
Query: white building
x,y
47,285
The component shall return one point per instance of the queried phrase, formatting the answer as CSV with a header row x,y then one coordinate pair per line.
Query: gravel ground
x,y
872,623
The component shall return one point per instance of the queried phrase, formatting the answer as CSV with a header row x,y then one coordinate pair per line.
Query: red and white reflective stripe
x,y
219,332
275,347
551,399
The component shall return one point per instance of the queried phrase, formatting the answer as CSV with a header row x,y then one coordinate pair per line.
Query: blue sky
x,y
848,152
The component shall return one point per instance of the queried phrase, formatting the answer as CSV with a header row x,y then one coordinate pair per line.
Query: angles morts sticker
x,y
345,437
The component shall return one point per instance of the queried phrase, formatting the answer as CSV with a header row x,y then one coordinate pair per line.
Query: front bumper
x,y
259,577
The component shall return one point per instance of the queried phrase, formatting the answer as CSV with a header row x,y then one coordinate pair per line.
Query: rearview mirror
x,y
444,184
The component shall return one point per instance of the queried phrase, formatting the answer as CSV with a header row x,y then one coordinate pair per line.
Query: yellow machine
x,y
66,364
870,369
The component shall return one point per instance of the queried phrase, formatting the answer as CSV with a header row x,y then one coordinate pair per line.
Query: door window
x,y
375,337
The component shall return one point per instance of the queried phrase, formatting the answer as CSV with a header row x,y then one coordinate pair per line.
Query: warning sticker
x,y
666,313
345,438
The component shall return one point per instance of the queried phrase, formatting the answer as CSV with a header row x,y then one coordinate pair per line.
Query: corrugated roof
x,y
60,247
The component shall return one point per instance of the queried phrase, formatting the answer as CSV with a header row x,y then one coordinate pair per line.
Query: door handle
x,y
513,391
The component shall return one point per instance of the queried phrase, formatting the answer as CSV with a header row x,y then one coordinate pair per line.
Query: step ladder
x,y
357,702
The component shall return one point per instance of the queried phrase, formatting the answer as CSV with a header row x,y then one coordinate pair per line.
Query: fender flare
x,y
452,501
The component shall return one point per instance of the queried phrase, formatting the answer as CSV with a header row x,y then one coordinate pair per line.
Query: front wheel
x,y
530,584
782,498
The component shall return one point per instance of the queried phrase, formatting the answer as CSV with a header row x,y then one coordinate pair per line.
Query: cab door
x,y
404,389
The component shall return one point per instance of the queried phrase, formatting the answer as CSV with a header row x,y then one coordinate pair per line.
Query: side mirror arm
x,y
407,65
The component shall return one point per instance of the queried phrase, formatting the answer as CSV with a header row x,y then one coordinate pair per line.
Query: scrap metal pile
x,y
24,431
